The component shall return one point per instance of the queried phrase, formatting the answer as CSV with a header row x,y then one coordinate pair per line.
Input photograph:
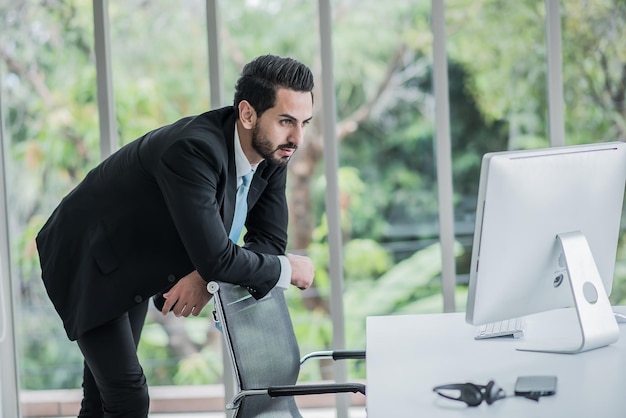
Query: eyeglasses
x,y
470,393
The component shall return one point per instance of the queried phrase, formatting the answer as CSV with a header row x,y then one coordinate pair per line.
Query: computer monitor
x,y
545,237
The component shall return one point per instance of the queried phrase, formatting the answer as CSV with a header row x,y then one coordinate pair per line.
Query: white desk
x,y
409,355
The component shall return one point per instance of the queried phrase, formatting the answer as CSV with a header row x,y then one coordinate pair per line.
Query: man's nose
x,y
297,136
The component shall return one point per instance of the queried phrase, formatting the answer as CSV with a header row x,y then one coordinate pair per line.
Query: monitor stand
x,y
598,326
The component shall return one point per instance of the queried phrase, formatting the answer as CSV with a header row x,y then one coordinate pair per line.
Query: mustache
x,y
290,145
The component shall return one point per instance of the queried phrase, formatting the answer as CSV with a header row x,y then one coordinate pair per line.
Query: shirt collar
x,y
242,164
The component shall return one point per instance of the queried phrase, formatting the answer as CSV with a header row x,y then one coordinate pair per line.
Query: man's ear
x,y
247,114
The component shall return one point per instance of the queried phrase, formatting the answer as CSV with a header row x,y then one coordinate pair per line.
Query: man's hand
x,y
189,295
302,271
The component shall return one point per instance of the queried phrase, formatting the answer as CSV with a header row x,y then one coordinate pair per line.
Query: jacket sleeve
x,y
191,175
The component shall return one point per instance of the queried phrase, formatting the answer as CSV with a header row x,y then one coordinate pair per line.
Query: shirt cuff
x,y
285,273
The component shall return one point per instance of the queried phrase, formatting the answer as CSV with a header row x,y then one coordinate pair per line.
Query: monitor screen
x,y
525,200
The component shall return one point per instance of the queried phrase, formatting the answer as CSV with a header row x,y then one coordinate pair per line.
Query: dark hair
x,y
261,77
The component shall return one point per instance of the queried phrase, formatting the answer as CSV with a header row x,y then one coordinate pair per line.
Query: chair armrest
x,y
335,355
297,390
349,355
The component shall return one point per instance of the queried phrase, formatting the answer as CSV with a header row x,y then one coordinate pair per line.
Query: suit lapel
x,y
230,195
228,205
257,186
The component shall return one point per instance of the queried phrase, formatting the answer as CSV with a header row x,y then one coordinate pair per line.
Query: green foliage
x,y
199,369
594,57
159,363
159,65
165,366
502,46
411,279
412,286
618,294
365,260
48,359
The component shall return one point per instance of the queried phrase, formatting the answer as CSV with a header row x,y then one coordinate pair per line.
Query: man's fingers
x,y
189,309
169,303
181,311
187,297
195,310
199,306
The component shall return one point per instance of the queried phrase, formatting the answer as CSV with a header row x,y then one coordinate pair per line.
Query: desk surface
x,y
408,355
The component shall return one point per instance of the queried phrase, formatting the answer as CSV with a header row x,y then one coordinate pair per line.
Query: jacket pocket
x,y
103,251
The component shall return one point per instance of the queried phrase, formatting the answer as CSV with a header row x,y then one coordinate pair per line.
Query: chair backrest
x,y
262,347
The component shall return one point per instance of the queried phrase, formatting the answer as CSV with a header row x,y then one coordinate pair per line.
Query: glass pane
x,y
159,63
51,118
160,74
389,208
289,28
496,67
51,123
594,65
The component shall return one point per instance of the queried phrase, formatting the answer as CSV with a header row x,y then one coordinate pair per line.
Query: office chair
x,y
264,353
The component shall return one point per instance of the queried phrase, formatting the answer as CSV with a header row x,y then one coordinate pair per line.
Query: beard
x,y
264,147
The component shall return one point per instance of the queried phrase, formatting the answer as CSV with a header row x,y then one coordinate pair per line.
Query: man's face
x,y
280,130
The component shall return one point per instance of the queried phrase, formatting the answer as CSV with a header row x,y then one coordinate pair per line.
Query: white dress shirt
x,y
243,167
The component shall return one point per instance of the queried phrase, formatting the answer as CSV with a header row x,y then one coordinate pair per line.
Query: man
x,y
156,216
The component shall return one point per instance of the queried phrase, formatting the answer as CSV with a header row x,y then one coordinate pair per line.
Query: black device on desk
x,y
533,387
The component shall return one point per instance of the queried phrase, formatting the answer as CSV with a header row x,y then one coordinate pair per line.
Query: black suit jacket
x,y
154,211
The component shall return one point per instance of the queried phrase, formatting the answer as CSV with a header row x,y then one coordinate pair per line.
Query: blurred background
x,y
385,139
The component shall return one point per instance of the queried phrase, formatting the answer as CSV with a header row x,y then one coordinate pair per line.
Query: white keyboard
x,y
508,328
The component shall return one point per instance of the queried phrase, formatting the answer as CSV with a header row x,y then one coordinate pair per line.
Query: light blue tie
x,y
241,208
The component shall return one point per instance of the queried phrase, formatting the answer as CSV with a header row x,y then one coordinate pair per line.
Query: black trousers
x,y
113,381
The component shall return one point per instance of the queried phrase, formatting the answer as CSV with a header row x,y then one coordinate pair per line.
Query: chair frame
x,y
279,390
